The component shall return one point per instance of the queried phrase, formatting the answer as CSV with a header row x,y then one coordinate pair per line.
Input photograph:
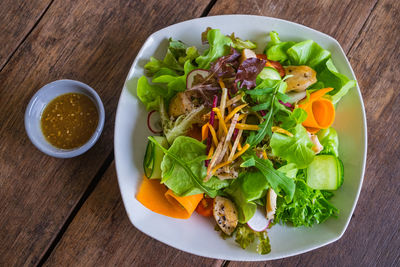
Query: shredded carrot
x,y
238,154
221,120
213,134
210,153
242,126
240,146
277,129
242,116
204,132
234,111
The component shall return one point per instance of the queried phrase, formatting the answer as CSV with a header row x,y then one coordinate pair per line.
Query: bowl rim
x,y
364,132
57,152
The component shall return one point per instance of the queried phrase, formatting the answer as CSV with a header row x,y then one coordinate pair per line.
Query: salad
x,y
243,137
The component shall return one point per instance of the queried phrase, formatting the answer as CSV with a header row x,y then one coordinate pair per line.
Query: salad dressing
x,y
69,120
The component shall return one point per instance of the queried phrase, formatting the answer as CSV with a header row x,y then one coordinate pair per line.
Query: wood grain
x,y
91,41
372,238
102,235
340,19
17,18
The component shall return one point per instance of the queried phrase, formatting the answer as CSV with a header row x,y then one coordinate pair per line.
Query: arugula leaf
x,y
183,172
276,179
272,103
219,46
295,149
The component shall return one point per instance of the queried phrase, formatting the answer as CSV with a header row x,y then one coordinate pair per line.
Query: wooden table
x,y
69,212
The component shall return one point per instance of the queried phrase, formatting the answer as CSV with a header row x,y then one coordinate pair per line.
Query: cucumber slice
x,y
269,73
325,173
153,158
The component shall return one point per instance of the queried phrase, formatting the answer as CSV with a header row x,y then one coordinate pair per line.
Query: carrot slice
x,y
158,198
320,111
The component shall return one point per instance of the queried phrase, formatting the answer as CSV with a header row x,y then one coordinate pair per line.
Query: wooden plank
x,y
91,41
372,238
101,234
340,19
17,18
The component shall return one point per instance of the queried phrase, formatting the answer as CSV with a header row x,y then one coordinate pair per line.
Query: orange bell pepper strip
x,y
158,198
320,111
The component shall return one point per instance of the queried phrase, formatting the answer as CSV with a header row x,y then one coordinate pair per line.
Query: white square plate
x,y
197,235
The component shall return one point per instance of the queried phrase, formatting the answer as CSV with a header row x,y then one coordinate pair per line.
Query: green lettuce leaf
x,y
244,190
290,170
177,54
307,208
219,46
149,94
239,44
174,82
307,53
276,49
330,77
311,54
183,169
329,140
295,149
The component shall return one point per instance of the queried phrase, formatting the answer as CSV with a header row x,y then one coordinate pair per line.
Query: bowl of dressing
x,y
64,118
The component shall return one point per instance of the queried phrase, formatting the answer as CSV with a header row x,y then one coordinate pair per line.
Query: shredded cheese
x,y
277,129
234,99
221,120
234,111
246,146
250,127
220,165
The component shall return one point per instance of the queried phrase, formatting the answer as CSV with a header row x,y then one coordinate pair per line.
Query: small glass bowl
x,y
39,101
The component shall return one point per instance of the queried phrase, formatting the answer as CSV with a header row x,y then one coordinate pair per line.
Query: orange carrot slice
x,y
320,111
158,198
